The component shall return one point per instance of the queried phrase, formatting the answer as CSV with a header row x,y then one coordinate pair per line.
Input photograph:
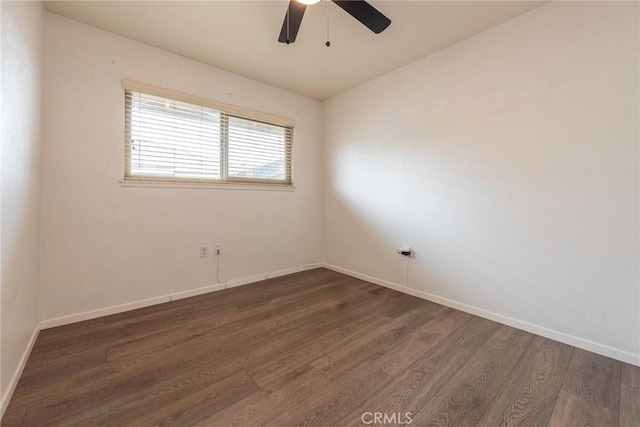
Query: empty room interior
x,y
320,213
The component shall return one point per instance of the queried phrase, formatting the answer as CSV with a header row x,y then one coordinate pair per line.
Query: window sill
x,y
207,185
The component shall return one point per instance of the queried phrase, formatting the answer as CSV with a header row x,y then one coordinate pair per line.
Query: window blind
x,y
257,150
172,140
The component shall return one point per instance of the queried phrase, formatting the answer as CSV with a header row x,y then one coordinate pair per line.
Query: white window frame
x,y
225,182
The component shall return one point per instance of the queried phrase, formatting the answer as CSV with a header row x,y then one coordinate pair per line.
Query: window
x,y
180,138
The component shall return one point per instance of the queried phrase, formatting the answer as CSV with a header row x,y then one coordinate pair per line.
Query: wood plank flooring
x,y
316,348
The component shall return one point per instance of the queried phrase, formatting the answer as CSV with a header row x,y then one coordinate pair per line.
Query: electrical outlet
x,y
406,251
204,251
217,250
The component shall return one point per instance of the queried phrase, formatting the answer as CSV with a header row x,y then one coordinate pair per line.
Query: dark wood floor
x,y
314,348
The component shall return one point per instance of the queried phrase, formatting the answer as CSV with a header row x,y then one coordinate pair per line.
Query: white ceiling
x,y
241,36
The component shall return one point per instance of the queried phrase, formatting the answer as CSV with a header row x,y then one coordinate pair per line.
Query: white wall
x,y
103,244
510,162
20,134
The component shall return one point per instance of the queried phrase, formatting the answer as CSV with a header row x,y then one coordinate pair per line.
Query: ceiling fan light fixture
x,y
361,10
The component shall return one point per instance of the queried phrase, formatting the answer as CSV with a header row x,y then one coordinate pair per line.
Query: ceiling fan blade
x,y
365,13
292,21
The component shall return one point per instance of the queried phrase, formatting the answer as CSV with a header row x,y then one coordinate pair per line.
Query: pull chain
x,y
328,43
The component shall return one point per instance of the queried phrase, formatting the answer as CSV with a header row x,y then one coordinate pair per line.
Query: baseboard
x,y
6,397
106,311
605,350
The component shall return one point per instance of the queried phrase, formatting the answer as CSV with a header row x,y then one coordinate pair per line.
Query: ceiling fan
x,y
368,15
